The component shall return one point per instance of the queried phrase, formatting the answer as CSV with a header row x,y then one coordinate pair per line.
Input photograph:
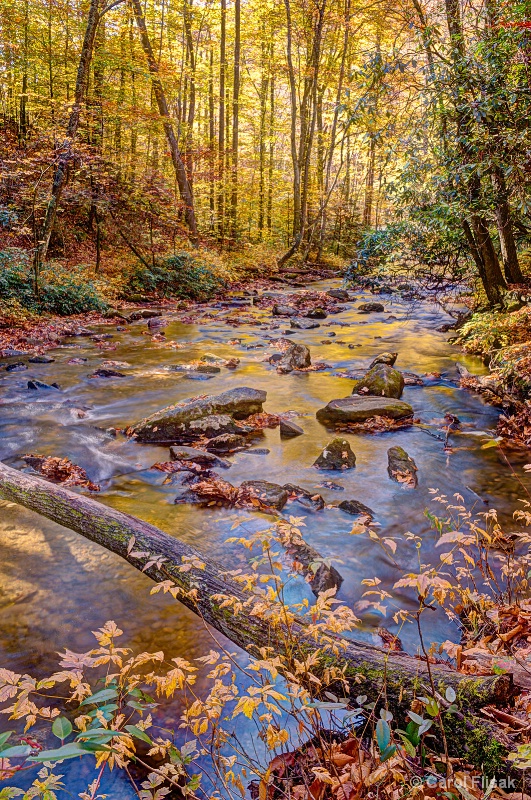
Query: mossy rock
x,y
381,381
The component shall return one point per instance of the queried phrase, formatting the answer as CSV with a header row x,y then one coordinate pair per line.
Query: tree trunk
x,y
235,122
64,152
178,164
221,127
204,580
513,273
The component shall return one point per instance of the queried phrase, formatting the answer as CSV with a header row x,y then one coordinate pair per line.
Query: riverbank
x,y
503,342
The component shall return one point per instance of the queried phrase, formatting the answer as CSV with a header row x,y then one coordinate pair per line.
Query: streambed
x,y
56,587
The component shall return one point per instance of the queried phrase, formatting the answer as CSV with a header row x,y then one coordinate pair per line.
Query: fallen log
x,y
370,669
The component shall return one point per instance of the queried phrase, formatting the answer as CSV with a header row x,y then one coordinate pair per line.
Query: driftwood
x,y
372,671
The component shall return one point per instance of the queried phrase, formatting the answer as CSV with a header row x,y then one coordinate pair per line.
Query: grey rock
x,y
339,294
11,352
258,451
144,313
356,509
216,425
316,313
283,311
336,455
41,360
34,384
271,494
169,424
156,322
312,501
206,369
183,453
297,356
381,381
226,443
371,308
358,408
384,358
401,464
102,372
303,324
18,366
288,429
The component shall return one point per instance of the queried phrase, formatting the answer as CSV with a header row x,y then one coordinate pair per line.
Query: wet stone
x,y
269,493
337,455
18,366
356,509
41,360
289,429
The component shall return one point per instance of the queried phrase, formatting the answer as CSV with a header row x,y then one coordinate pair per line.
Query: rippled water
x,y
56,587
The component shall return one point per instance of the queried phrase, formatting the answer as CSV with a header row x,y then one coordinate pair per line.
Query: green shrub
x,y
182,275
61,291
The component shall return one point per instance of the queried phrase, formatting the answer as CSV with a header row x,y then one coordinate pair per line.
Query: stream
x,y
57,587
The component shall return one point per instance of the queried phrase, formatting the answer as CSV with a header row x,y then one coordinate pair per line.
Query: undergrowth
x,y
320,732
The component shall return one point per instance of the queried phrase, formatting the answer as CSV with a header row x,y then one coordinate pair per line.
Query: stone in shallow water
x,y
356,508
381,381
41,360
171,423
371,308
35,384
18,366
226,442
384,358
183,453
336,455
269,493
297,356
289,429
303,324
358,408
401,467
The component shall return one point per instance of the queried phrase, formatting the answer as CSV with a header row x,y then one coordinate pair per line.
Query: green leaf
x,y
17,751
62,727
99,697
383,735
408,746
4,737
415,717
387,753
138,733
95,746
450,694
70,750
9,792
432,708
492,443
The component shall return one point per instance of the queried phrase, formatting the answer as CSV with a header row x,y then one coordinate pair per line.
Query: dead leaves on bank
x,y
352,770
60,470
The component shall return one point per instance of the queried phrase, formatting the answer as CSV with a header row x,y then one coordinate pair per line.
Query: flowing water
x,y
56,587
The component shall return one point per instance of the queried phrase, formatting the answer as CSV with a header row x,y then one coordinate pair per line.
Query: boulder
x,y
359,408
289,429
183,453
41,360
371,308
381,381
356,509
271,494
316,313
303,324
226,443
384,358
401,467
169,424
339,294
283,311
336,455
296,356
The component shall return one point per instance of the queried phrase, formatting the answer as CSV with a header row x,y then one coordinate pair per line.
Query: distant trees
x,y
291,122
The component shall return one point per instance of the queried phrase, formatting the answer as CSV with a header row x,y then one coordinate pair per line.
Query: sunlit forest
x,y
310,579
